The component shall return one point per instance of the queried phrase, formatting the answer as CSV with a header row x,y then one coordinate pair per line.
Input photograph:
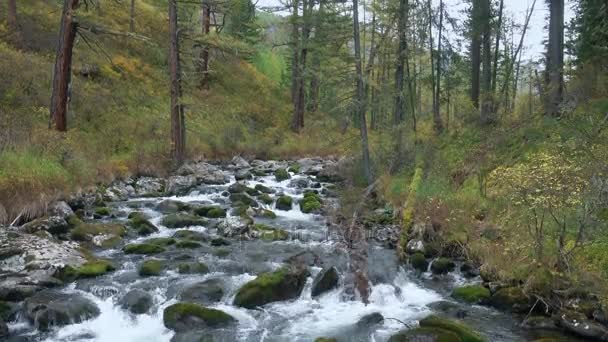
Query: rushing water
x,y
399,295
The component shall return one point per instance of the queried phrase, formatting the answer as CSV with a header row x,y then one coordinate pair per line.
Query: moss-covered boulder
x,y
150,267
284,203
283,284
237,188
141,224
143,248
419,262
100,212
511,299
89,269
268,233
310,203
326,280
161,241
465,333
263,189
172,206
265,213
243,199
265,198
425,335
190,316
281,175
442,266
105,235
210,212
191,235
474,294
137,301
188,244
295,168
192,268
182,220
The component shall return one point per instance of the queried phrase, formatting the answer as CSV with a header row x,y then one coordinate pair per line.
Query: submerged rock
x,y
464,333
189,316
511,299
205,292
49,308
326,280
284,203
305,258
137,301
442,266
283,284
474,294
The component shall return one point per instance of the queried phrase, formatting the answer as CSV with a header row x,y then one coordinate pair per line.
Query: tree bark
x,y
178,137
11,18
436,101
399,110
555,59
475,52
360,100
497,46
486,96
315,68
295,38
205,25
300,101
132,17
62,73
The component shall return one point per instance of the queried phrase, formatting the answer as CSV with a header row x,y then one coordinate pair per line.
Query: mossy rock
x,y
89,269
243,199
511,299
265,213
101,212
325,339
268,233
284,203
425,334
188,244
474,294
310,204
252,192
265,198
221,252
263,189
295,168
6,311
283,284
419,262
211,212
237,188
151,267
190,235
442,266
281,175
189,316
219,241
192,268
142,225
143,248
182,220
240,210
85,232
161,241
465,333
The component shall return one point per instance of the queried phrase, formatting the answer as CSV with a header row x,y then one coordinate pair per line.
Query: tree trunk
x,y
555,58
11,18
295,38
205,25
497,46
399,110
486,96
475,52
132,17
360,100
62,73
300,97
178,137
437,92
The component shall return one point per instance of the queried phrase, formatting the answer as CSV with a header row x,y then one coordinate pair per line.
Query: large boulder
x,y
234,226
189,316
332,173
578,324
180,185
464,333
54,225
118,191
205,292
326,280
474,294
50,308
105,235
442,266
149,187
137,301
239,163
284,203
511,299
182,221
204,173
283,284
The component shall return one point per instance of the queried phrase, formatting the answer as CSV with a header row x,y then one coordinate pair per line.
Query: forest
x,y
304,170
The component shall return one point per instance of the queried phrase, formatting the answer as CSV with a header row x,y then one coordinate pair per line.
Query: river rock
x,y
442,266
234,226
118,191
189,316
238,163
538,323
325,281
369,320
299,183
149,187
137,301
50,308
180,185
242,175
283,284
60,209
206,292
579,324
204,173
305,258
171,206
310,166
54,225
511,299
332,173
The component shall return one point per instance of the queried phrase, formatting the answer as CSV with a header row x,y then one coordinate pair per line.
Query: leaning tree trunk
x,y
178,137
486,84
63,67
475,52
555,58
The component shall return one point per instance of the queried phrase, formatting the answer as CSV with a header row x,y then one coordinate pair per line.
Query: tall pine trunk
x,y
475,52
497,46
399,110
360,98
62,73
555,58
436,100
486,82
204,57
11,17
132,17
178,134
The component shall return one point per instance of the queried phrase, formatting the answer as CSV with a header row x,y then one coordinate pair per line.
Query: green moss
x,y
161,241
83,231
181,311
190,235
102,211
262,188
6,310
221,252
442,266
284,203
252,192
510,299
269,214
465,333
472,294
325,339
265,198
211,212
143,248
150,268
295,168
95,268
426,334
281,175
188,244
310,204
419,262
141,224
243,199
269,287
182,220
268,233
192,268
